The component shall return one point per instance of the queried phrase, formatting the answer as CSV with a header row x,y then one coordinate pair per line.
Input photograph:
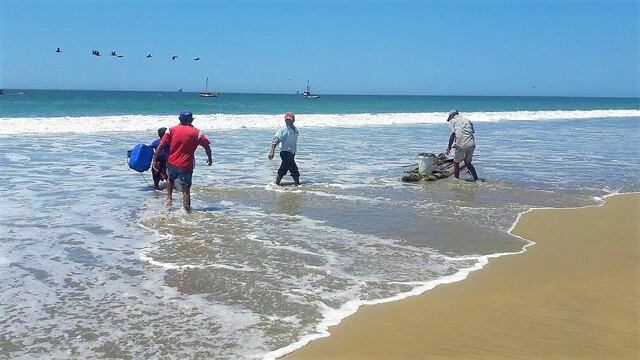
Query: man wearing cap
x,y
287,137
183,140
463,141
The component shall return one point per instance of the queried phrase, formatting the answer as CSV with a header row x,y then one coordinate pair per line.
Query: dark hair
x,y
161,132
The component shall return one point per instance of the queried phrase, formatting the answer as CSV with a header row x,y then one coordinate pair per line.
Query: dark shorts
x,y
183,177
288,164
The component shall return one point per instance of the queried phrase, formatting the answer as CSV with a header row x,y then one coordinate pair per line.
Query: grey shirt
x,y
464,131
287,138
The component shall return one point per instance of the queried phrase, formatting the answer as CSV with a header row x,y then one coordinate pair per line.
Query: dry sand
x,y
575,294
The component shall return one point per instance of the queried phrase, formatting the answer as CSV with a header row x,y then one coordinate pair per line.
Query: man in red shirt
x,y
183,140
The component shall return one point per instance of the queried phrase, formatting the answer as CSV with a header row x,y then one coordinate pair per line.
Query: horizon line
x,y
336,94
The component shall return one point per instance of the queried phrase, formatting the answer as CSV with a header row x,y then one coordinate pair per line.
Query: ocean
x,y
94,264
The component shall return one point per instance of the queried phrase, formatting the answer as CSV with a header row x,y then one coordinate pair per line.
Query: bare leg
x,y
456,170
156,179
473,171
169,192
186,198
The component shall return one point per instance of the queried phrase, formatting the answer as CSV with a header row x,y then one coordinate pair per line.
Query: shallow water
x,y
93,263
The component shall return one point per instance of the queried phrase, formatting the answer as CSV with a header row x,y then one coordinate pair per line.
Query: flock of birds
x,y
115,54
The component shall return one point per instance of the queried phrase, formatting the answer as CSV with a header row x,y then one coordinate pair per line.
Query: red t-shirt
x,y
183,141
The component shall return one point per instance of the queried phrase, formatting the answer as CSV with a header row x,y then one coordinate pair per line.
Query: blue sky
x,y
562,48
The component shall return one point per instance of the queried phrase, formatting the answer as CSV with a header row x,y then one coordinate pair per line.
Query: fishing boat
x,y
206,92
307,93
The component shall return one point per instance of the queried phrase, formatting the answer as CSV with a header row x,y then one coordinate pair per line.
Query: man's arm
x,y
274,143
154,161
272,151
452,138
207,149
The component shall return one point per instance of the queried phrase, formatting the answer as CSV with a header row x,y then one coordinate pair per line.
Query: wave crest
x,y
127,123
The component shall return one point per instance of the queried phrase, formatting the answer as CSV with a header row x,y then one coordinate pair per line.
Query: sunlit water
x,y
94,264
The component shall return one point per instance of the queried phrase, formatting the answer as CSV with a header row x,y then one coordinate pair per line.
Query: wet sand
x,y
575,294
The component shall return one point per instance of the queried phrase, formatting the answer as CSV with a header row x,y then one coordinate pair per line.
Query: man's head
x,y
186,117
161,132
289,118
452,113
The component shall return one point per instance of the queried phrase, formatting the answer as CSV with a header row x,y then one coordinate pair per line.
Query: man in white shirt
x,y
463,141
287,137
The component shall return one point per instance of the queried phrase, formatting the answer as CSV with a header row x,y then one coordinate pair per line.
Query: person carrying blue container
x,y
161,173
183,140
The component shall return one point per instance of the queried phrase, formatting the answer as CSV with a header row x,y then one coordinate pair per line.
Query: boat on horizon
x,y
206,92
307,93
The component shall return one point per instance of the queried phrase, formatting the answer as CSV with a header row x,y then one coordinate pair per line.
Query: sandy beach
x,y
575,294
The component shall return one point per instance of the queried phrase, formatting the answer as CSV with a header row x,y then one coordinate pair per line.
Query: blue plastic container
x,y
141,157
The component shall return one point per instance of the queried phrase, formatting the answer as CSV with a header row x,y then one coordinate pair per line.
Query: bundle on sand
x,y
443,169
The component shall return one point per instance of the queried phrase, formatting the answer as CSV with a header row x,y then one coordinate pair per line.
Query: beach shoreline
x,y
259,267
492,315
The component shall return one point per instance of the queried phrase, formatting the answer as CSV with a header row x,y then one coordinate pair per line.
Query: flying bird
x,y
58,50
196,59
148,55
174,57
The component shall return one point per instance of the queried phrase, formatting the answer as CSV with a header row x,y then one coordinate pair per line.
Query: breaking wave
x,y
127,123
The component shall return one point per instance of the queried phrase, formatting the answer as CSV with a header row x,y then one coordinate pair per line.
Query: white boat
x,y
206,92
307,93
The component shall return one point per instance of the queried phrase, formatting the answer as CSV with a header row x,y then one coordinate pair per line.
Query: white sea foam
x,y
124,123
17,157
332,317
303,190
